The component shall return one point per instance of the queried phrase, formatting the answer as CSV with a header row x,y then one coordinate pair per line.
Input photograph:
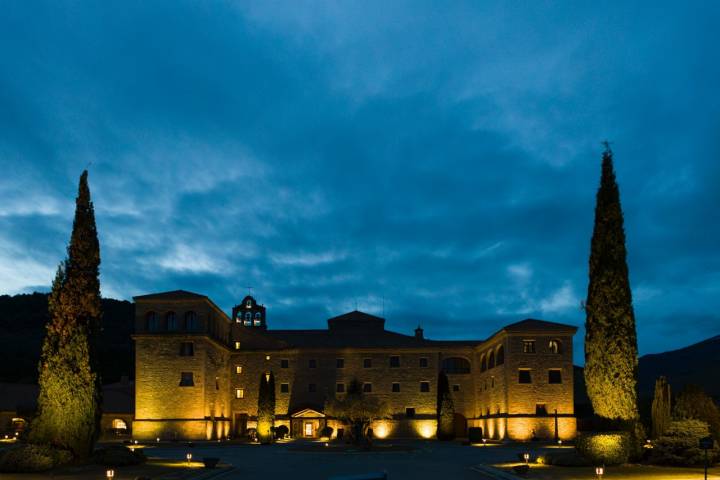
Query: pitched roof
x,y
171,295
531,324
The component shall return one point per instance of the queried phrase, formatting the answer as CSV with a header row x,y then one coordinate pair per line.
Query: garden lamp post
x,y
599,471
110,474
189,457
526,456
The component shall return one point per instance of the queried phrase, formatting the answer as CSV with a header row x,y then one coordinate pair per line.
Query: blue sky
x,y
440,158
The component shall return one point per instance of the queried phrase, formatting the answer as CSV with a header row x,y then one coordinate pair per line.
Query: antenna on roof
x,y
249,290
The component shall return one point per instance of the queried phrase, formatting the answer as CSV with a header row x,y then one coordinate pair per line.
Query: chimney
x,y
419,333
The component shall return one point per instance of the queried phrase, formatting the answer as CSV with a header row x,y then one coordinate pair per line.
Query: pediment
x,y
308,413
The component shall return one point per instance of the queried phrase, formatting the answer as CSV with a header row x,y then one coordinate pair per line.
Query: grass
x,y
630,472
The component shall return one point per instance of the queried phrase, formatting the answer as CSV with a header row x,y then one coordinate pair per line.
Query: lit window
x,y
367,388
524,376
284,363
424,387
284,387
394,361
554,376
239,393
554,346
528,346
340,387
237,345
257,323
423,362
367,362
340,363
186,379
396,387
248,304
238,369
247,323
119,424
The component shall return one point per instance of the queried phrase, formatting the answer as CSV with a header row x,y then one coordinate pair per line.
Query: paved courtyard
x,y
430,460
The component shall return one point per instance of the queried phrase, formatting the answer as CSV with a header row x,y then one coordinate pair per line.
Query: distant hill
x,y
22,327
697,364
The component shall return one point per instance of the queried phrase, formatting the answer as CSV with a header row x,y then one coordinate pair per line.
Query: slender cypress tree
x,y
266,407
70,385
445,409
610,339
661,407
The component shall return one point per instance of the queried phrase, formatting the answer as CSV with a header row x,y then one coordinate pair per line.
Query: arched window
x,y
483,364
119,424
500,355
191,323
171,321
456,365
151,321
491,359
257,315
555,346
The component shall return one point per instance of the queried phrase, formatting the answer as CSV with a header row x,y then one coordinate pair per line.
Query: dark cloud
x,y
437,165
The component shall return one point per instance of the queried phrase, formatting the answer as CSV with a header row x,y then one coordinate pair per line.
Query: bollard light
x,y
157,440
135,441
559,442
110,474
599,471
189,457
132,449
526,456
484,442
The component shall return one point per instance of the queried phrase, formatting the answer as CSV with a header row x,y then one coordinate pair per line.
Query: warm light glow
x,y
110,473
267,357
238,369
237,345
239,393
189,457
526,456
136,442
381,430
426,428
157,439
599,471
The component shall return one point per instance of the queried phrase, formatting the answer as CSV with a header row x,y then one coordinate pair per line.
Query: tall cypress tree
x,y
70,385
660,413
610,339
266,407
445,409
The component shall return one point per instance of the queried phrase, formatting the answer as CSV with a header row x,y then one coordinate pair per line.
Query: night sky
x,y
440,160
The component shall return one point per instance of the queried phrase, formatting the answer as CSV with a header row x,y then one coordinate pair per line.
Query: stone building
x,y
198,373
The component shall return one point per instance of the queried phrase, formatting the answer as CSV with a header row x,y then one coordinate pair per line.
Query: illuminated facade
x,y
198,373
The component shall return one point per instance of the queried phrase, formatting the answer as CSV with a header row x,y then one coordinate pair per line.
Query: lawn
x,y
632,472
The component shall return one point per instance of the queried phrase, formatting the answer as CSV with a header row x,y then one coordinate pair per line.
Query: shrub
x,y
326,432
475,434
282,431
32,458
568,458
608,448
118,456
680,445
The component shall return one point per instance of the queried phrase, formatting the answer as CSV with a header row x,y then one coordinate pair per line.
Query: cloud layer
x,y
435,164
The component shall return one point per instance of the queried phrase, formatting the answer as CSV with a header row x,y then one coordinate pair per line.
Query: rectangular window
x,y
424,387
238,369
284,387
540,409
410,412
528,346
423,362
394,361
339,363
312,388
187,349
456,388
284,363
492,382
312,363
367,362
395,387
237,345
340,387
239,393
524,376
186,379
367,387
554,376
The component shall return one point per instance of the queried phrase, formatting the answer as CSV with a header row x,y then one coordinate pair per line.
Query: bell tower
x,y
249,313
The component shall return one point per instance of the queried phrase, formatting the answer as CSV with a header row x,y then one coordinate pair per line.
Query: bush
x,y
326,432
680,445
118,456
32,458
607,448
568,458
282,431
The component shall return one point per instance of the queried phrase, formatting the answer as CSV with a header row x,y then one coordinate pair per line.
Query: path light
x,y
136,442
484,442
526,456
327,444
132,449
599,471
157,439
189,457
559,442
110,474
